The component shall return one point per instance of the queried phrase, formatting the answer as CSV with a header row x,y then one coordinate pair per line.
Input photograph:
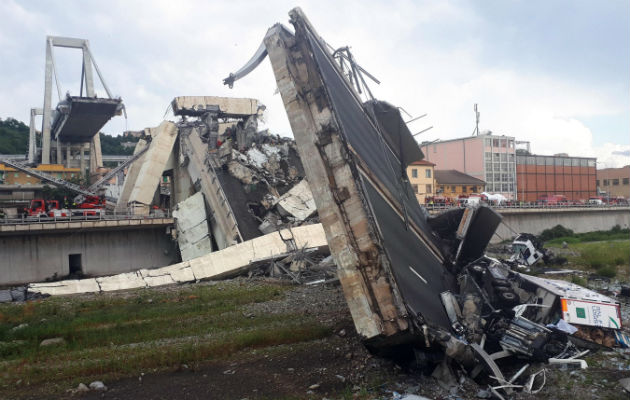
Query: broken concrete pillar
x,y
154,163
131,177
193,235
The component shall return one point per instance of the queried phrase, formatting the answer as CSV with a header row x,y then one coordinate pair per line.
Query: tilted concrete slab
x,y
228,106
193,235
154,163
220,264
224,225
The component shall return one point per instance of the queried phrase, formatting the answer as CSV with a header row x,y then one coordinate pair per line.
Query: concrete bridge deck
x,y
51,225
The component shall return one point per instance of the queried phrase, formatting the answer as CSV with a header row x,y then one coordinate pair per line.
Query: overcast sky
x,y
555,73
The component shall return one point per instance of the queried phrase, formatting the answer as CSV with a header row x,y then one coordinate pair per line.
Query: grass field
x,y
115,336
609,258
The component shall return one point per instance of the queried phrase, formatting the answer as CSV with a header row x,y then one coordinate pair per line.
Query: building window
x,y
464,188
427,173
495,142
414,173
488,141
626,181
605,182
597,182
429,189
453,188
474,189
591,163
615,182
415,188
487,156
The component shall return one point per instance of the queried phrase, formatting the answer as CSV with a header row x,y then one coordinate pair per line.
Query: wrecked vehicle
x,y
527,249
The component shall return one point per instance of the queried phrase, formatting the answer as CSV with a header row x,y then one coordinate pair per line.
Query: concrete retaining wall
x,y
35,257
578,219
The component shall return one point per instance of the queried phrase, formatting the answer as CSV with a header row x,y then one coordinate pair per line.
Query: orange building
x,y
10,176
421,178
452,183
614,182
573,177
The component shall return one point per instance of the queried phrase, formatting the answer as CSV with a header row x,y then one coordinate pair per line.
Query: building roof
x,y
455,177
466,138
422,162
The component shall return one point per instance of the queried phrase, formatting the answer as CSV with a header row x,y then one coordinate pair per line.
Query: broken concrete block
x,y
241,172
193,235
256,157
297,202
5,296
129,280
52,342
152,280
228,106
65,287
18,294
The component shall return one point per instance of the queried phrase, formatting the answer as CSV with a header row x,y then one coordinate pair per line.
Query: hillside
x,y
14,139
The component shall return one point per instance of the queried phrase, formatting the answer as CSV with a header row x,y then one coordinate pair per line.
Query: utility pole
x,y
476,131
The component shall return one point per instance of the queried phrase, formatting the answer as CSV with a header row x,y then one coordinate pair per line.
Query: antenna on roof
x,y
476,131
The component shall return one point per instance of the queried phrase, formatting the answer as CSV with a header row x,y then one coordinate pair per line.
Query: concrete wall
x,y
35,257
578,219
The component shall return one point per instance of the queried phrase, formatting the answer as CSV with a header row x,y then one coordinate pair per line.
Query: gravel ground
x,y
339,366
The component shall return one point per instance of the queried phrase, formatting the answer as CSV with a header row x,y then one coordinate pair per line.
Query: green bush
x,y
608,271
578,280
555,232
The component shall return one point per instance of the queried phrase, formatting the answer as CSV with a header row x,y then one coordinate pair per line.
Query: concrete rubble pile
x,y
416,284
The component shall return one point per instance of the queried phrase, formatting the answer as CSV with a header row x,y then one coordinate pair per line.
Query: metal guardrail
x,y
432,207
73,218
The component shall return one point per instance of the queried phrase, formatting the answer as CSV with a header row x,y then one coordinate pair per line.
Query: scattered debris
x,y
98,385
52,342
82,388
